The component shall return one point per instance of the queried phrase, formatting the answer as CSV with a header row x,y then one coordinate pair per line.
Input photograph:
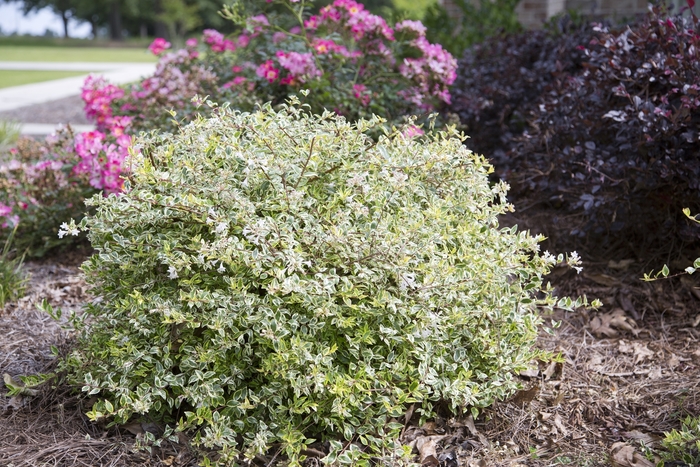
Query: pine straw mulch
x,y
629,372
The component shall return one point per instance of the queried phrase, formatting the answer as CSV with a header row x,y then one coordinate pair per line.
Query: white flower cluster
x,y
68,229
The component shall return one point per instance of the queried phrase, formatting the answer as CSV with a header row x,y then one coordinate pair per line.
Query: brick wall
x,y
533,13
609,8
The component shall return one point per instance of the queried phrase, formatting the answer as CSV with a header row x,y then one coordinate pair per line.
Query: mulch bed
x,y
628,373
66,110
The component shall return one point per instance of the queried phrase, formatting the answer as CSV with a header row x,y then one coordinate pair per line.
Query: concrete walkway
x,y
39,93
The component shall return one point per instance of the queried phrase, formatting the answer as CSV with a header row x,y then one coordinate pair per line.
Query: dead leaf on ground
x,y
673,361
624,455
602,279
627,305
639,436
469,423
596,363
554,370
525,396
696,321
640,350
427,448
560,425
431,428
610,324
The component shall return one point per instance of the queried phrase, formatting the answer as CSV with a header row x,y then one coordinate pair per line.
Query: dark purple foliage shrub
x,y
610,139
500,82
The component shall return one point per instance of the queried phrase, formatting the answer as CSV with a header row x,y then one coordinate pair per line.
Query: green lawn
x,y
15,77
416,8
43,53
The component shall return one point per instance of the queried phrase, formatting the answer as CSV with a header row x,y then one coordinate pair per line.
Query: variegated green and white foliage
x,y
275,278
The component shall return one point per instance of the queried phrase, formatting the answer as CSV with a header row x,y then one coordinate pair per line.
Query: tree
x,y
63,8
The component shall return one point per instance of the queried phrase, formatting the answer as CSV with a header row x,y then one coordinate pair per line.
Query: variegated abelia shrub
x,y
272,279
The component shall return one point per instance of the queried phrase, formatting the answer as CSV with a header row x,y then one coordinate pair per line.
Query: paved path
x,y
38,93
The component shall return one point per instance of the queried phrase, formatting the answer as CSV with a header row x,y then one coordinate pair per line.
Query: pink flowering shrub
x,y
350,60
179,76
39,190
158,46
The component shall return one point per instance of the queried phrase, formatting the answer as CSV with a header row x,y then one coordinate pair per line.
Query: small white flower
x,y
66,229
221,268
574,261
172,272
221,228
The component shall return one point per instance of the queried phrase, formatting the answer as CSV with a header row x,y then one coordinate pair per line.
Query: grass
x,y
16,77
45,53
12,279
9,134
415,8
134,43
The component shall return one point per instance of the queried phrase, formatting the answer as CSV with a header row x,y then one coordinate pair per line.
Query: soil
x,y
66,110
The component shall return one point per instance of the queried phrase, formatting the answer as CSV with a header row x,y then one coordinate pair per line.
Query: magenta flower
x,y
268,71
301,66
5,210
412,131
360,92
217,42
158,46
257,24
311,23
243,40
324,46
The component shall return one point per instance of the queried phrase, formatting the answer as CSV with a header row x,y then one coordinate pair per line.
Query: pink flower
x,y
301,66
237,81
268,71
258,23
243,40
364,23
236,69
414,26
98,96
11,221
5,210
102,162
324,46
331,13
360,92
411,131
216,41
158,46
192,42
432,73
351,6
278,37
288,81
311,23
